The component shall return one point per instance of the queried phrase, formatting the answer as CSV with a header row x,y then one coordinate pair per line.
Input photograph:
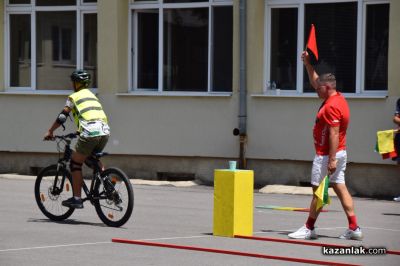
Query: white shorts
x,y
320,168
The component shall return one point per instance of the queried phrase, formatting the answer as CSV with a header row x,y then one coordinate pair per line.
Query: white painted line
x,y
294,229
55,246
98,243
331,228
377,228
172,238
362,227
178,237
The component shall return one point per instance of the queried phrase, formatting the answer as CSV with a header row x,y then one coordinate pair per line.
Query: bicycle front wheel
x,y
52,186
113,197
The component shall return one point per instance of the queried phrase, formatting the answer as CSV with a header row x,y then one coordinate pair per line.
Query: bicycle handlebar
x,y
64,137
68,136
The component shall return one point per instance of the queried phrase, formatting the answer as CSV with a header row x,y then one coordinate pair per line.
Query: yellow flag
x,y
385,140
322,193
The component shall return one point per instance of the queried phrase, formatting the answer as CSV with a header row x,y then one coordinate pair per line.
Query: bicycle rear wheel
x,y
113,197
49,197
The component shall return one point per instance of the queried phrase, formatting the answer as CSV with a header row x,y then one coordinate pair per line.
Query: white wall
x,y
278,128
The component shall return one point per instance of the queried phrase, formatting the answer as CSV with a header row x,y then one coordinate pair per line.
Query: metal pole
x,y
242,89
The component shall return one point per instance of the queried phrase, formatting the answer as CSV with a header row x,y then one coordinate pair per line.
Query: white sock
x,y
77,198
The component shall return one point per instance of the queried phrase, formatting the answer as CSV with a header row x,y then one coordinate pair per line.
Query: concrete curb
x,y
164,183
17,176
133,181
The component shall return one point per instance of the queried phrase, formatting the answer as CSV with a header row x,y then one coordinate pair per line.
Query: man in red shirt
x,y
330,146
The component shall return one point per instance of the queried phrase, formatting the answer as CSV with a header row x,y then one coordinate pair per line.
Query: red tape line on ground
x,y
229,252
306,243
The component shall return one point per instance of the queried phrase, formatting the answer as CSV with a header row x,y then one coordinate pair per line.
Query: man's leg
x,y
307,230
313,213
345,198
354,231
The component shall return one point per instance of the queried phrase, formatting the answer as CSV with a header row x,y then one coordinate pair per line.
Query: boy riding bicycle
x,y
92,126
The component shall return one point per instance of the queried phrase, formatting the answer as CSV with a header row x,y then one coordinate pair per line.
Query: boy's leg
x,y
77,177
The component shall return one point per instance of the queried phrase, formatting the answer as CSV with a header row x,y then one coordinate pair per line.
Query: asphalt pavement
x,y
182,214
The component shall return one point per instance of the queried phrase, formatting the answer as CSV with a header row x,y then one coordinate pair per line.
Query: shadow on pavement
x,y
67,221
392,214
285,233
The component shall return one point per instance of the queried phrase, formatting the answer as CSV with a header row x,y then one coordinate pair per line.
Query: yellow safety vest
x,y
86,107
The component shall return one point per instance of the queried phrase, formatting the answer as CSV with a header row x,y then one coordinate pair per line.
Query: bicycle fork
x,y
57,190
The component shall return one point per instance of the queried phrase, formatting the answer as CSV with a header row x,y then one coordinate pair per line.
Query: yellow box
x,y
233,202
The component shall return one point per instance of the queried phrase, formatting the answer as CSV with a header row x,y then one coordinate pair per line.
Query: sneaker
x,y
73,203
354,235
397,199
304,233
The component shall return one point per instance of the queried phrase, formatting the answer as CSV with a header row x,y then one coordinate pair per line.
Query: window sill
x,y
314,95
175,94
41,92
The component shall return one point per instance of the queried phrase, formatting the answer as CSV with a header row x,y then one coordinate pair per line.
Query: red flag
x,y
312,42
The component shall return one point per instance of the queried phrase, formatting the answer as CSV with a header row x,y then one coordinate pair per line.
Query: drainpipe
x,y
242,130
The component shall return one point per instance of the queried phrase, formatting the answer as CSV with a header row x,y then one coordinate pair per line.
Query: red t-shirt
x,y
332,113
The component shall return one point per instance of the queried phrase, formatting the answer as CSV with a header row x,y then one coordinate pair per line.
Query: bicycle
x,y
110,190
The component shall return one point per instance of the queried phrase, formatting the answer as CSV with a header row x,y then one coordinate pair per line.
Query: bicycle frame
x,y
110,190
94,164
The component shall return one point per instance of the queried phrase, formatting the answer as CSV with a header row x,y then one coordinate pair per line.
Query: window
x,y
20,56
64,39
376,47
352,39
283,47
182,45
185,49
147,49
16,2
222,53
55,55
336,39
55,3
90,45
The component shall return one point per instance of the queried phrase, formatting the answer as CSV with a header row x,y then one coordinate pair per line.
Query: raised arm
x,y
312,74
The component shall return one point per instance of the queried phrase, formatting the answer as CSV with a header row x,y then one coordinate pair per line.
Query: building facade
x,y
170,76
